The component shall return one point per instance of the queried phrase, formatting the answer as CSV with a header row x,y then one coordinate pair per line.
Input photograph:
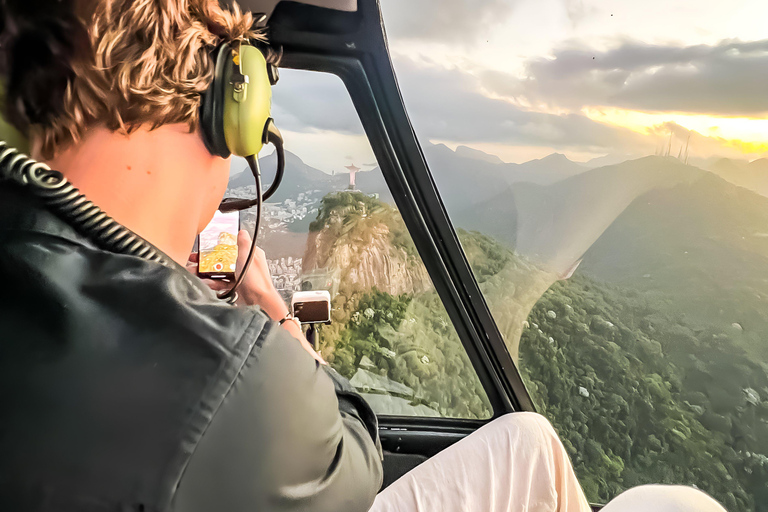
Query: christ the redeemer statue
x,y
353,169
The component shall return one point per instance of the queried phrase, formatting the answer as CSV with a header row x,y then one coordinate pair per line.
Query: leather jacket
x,y
126,385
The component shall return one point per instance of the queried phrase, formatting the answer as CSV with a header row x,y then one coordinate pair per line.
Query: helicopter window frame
x,y
406,193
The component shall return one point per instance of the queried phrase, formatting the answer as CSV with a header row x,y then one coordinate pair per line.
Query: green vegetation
x,y
641,397
638,391
486,256
407,337
346,214
638,394
346,208
410,340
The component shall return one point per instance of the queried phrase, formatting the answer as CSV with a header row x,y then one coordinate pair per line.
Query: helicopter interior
x,y
347,39
475,301
622,297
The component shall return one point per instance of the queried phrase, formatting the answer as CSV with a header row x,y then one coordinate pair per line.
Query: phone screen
x,y
217,246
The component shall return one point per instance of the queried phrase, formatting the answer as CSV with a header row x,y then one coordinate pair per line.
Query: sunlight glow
x,y
747,135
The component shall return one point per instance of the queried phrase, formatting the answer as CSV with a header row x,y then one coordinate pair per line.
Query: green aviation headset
x,y
234,120
234,111
234,114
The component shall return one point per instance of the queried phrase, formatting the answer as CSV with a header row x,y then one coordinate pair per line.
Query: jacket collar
x,y
21,211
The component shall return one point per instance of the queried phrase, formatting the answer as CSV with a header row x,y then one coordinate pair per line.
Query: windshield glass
x,y
603,163
333,226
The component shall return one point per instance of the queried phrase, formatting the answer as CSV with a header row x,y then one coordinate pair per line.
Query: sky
x,y
522,79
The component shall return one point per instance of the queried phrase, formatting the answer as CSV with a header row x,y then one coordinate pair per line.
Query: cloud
x,y
726,79
444,104
306,101
448,104
576,11
674,138
449,21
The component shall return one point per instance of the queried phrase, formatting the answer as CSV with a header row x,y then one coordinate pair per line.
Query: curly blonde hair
x,y
138,63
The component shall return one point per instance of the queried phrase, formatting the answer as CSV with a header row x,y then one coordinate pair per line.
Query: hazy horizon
x,y
239,165
586,78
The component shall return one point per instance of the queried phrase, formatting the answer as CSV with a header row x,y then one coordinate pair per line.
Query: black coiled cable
x,y
62,198
65,200
231,294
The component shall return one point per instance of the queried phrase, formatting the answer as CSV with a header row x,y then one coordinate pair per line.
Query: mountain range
x,y
698,237
660,315
694,239
750,175
463,177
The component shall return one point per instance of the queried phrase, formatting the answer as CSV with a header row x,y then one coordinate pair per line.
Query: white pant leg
x,y
663,498
515,463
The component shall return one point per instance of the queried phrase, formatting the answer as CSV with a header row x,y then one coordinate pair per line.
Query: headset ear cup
x,y
205,121
247,102
212,106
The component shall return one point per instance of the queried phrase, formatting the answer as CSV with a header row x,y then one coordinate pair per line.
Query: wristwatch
x,y
290,318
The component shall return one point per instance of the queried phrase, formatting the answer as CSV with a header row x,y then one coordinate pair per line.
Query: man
x,y
125,384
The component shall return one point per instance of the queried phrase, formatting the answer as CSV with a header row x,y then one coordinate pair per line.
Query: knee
x,y
523,422
664,498
527,420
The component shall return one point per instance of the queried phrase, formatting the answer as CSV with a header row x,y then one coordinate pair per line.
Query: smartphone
x,y
217,246
312,307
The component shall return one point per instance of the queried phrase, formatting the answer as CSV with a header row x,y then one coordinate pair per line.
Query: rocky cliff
x,y
365,243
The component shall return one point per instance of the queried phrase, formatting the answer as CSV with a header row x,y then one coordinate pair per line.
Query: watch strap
x,y
290,317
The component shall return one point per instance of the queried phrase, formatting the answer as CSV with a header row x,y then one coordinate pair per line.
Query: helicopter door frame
x,y
352,45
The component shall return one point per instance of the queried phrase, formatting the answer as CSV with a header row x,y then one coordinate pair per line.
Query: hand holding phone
x,y
257,288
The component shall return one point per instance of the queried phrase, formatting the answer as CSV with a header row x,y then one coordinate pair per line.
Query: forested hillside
x,y
639,392
641,396
390,330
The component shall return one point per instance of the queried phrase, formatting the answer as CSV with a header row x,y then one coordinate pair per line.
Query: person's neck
x,y
157,183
